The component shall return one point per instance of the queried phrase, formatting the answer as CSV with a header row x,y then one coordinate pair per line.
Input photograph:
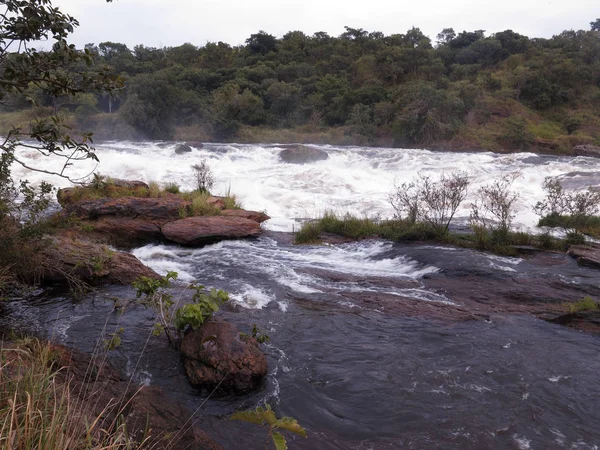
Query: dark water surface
x,y
354,376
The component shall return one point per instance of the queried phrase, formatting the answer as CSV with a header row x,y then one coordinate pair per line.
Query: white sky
x,y
158,23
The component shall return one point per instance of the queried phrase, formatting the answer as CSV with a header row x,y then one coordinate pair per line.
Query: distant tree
x,y
150,105
595,25
261,43
445,36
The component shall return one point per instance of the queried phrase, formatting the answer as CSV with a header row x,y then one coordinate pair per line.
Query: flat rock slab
x,y
196,231
257,216
166,208
588,255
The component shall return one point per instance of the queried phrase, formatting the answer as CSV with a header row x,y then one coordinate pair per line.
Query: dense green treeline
x,y
465,90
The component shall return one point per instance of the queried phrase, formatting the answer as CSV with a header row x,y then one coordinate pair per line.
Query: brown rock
x,y
125,231
168,421
216,357
257,216
129,184
588,255
302,154
71,257
217,202
166,208
205,229
587,150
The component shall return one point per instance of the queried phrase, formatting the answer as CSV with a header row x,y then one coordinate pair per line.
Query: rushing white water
x,y
354,179
254,271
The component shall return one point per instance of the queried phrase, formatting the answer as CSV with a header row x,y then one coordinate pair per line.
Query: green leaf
x,y
290,424
247,416
269,416
279,441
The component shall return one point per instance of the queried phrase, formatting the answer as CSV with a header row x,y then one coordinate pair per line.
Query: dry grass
x,y
39,411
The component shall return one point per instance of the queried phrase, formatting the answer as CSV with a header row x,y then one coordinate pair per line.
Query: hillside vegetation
x,y
467,90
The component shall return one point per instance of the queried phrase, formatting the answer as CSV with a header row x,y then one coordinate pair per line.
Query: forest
x,y
464,90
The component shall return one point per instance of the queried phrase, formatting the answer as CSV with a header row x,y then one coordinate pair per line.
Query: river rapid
x,y
353,357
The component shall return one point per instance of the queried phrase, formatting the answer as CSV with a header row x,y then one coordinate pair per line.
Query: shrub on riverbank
x,y
484,239
587,303
574,212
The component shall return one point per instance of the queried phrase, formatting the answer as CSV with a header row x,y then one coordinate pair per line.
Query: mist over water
x,y
355,374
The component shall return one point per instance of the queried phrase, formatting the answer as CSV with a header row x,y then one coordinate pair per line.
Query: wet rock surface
x,y
302,154
180,149
217,357
587,255
587,150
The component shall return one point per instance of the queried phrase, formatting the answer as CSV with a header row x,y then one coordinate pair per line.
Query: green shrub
x,y
309,233
172,188
587,303
203,307
200,205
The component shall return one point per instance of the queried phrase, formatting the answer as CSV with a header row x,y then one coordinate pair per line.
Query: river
x,y
367,349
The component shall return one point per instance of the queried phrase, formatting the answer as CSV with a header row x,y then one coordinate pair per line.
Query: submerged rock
x,y
195,144
216,356
201,230
587,150
302,154
180,149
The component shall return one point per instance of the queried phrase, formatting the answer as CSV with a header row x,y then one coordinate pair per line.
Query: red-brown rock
x,y
257,216
125,231
216,357
167,208
205,229
70,257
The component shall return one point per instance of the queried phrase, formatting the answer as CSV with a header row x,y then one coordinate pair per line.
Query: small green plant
x,y
587,303
98,182
266,418
172,188
114,340
260,337
172,323
153,294
204,305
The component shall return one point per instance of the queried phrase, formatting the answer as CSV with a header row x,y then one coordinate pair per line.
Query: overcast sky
x,y
158,23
